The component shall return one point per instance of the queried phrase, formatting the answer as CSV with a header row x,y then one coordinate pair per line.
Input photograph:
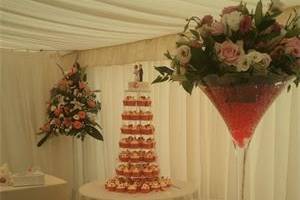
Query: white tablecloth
x,y
180,191
54,189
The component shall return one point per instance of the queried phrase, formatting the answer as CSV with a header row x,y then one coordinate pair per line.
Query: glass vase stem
x,y
241,160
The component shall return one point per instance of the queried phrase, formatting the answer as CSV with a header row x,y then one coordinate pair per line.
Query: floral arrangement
x,y
240,43
72,108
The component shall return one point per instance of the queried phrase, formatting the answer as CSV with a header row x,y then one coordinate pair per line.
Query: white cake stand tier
x,y
180,191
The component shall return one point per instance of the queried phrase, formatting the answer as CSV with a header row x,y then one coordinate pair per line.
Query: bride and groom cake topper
x,y
138,73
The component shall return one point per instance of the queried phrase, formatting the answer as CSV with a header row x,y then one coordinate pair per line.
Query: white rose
x,y
243,64
233,20
260,61
76,117
184,54
53,108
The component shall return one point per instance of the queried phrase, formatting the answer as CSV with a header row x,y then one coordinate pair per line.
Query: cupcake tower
x,y
137,169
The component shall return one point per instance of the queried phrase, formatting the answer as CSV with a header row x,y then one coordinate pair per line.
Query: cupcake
x,y
155,170
155,186
141,101
126,115
106,184
111,186
139,184
134,115
147,116
134,130
142,155
126,172
148,144
141,141
120,169
145,188
124,129
148,129
132,188
134,143
136,172
168,182
121,187
147,101
129,101
147,172
134,157
124,143
124,156
137,129
127,129
149,157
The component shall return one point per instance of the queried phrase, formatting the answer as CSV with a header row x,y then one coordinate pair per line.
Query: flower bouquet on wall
x,y
72,108
242,62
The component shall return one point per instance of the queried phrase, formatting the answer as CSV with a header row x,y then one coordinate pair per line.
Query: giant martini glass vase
x,y
242,101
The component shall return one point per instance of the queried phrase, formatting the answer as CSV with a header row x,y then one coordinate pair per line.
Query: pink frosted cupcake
x,y
124,143
155,186
145,188
129,101
135,157
120,188
132,188
120,169
127,172
134,144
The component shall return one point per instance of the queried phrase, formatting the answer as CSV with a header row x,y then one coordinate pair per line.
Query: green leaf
x,y
44,139
188,86
168,55
265,23
84,77
95,133
258,13
292,33
186,27
195,33
198,58
157,80
164,70
289,88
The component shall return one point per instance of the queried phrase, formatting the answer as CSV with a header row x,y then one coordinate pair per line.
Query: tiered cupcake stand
x,y
137,174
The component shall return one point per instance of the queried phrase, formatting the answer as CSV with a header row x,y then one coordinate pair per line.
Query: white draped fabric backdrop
x,y
192,139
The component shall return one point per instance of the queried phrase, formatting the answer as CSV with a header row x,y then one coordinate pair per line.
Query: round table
x,y
179,191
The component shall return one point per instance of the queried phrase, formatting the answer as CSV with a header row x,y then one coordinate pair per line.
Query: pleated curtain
x,y
193,143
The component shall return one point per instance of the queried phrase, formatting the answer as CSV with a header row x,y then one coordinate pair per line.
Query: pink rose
x,y
229,52
217,28
292,46
207,19
245,24
82,85
230,9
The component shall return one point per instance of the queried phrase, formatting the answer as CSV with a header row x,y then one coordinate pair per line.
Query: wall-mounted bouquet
x,y
240,43
72,108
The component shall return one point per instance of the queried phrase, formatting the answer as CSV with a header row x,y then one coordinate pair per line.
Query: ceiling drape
x,y
87,24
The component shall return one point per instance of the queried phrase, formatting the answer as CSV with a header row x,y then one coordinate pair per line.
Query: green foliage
x,y
188,86
258,13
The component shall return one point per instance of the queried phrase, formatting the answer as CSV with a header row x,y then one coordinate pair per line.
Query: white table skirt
x,y
180,191
54,189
